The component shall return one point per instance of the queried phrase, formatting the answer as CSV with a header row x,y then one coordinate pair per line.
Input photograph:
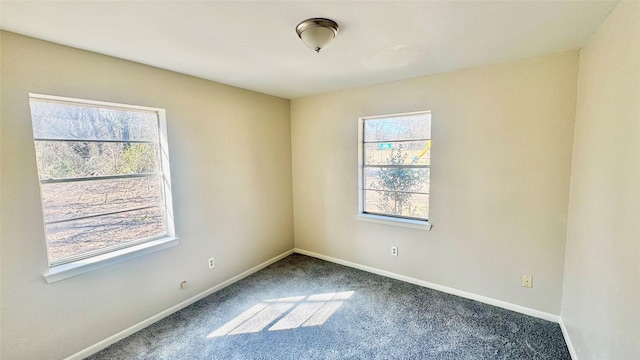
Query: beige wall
x,y
231,168
501,159
601,296
501,164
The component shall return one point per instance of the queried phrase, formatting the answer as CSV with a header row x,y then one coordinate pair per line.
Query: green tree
x,y
399,180
139,158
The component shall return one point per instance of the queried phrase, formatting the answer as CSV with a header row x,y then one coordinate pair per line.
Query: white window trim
x,y
388,220
78,267
81,266
374,218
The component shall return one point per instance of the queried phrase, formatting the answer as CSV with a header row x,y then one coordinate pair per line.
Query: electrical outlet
x,y
184,284
394,250
212,263
527,281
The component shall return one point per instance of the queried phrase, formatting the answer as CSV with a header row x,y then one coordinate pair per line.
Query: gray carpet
x,y
305,308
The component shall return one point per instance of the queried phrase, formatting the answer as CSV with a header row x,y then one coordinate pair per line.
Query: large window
x,y
394,160
104,176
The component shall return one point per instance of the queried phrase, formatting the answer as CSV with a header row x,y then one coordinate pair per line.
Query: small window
x,y
394,159
104,176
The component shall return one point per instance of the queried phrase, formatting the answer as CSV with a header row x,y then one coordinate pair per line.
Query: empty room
x,y
320,180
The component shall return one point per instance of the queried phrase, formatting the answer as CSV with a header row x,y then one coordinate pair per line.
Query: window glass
x,y
101,180
395,165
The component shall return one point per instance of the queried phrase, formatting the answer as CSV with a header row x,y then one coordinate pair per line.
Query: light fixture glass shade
x,y
317,33
317,38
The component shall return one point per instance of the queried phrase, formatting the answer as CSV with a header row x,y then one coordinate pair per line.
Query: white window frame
x,y
381,218
93,260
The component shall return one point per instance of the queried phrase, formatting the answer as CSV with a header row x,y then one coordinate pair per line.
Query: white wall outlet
x,y
184,284
527,281
212,263
394,250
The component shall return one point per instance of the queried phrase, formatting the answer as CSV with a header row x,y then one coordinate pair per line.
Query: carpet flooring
x,y
304,308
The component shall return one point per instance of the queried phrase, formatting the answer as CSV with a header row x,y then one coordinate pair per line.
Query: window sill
x,y
408,223
66,271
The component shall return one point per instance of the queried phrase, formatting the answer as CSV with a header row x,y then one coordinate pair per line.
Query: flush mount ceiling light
x,y
317,33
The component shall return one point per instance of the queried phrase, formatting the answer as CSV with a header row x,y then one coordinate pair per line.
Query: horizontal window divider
x,y
98,141
104,177
101,214
398,191
394,141
398,166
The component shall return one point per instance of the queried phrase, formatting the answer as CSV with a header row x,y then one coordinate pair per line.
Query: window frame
x,y
387,219
99,258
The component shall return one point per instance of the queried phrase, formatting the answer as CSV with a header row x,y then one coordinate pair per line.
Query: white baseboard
x,y
487,300
503,304
567,339
141,325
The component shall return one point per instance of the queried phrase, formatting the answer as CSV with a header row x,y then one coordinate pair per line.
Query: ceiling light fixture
x,y
317,33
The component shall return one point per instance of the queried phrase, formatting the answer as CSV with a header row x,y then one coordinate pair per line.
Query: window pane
x,y
74,238
397,179
398,128
396,203
96,159
69,200
69,159
56,120
396,153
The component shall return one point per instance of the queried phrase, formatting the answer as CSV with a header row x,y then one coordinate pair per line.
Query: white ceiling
x,y
253,45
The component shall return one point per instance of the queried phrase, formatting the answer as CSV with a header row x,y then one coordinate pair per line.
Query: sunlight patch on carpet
x,y
287,313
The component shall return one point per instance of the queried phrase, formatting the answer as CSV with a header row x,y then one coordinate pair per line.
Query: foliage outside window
x,y
395,165
104,176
